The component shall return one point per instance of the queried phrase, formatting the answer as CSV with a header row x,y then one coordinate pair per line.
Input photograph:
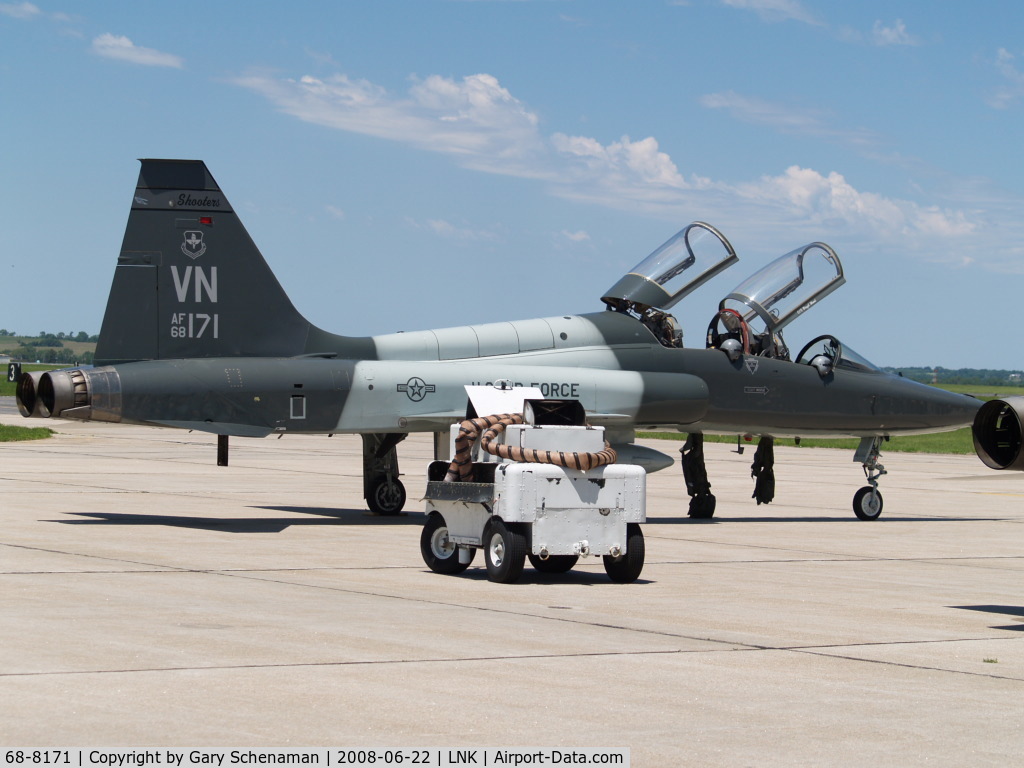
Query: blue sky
x,y
408,165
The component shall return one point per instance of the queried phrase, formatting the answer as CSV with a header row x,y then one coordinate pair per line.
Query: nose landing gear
x,y
867,502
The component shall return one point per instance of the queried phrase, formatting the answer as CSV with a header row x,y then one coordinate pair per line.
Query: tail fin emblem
x,y
193,247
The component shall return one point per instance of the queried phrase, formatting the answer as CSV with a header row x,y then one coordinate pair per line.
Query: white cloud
x,y
626,174
832,201
22,11
895,35
576,237
474,118
776,10
482,126
637,161
477,121
449,231
121,48
786,119
1013,86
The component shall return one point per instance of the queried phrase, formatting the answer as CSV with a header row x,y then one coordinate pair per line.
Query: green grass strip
x,y
16,434
959,441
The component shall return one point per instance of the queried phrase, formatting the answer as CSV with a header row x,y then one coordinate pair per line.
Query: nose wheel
x,y
867,502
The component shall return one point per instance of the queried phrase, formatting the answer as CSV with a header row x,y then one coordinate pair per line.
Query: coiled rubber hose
x,y
461,468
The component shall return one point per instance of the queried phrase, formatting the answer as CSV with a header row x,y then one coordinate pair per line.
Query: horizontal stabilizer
x,y
216,428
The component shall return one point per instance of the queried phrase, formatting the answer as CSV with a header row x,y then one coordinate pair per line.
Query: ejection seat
x,y
750,319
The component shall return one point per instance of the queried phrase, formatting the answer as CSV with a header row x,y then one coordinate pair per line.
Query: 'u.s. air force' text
x,y
565,390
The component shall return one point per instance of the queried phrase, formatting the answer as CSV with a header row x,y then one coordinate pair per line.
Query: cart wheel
x,y
627,567
504,551
554,563
439,553
386,496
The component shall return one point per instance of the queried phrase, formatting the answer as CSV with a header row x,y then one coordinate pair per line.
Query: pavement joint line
x,y
366,662
837,558
840,559
838,555
652,563
809,650
903,665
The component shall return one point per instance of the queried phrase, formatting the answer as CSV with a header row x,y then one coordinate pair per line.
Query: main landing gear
x,y
867,502
763,470
383,491
695,475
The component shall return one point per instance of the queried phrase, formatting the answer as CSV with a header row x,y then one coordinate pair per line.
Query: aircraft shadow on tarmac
x,y
1015,611
243,524
324,516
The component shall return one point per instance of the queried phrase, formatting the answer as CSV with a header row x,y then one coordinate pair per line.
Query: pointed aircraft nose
x,y
913,406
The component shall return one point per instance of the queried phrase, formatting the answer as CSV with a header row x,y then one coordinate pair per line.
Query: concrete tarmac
x,y
150,598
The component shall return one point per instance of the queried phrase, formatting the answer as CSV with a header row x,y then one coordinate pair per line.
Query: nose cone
x,y
922,407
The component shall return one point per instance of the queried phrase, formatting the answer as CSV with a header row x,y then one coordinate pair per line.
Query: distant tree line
x,y
986,376
49,355
46,347
41,339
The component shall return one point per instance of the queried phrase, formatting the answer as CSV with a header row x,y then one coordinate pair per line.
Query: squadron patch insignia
x,y
193,247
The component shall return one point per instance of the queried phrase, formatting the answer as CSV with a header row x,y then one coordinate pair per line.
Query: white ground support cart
x,y
519,509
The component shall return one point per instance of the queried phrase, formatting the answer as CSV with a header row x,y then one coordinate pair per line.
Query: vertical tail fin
x,y
190,282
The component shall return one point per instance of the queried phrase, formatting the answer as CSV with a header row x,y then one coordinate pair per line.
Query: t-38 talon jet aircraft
x,y
198,334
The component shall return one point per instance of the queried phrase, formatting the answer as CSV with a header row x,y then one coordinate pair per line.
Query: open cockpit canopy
x,y
682,264
784,289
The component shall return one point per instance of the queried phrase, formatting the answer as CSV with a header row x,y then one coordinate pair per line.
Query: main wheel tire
x,y
867,503
504,551
627,567
554,563
702,507
386,496
439,553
